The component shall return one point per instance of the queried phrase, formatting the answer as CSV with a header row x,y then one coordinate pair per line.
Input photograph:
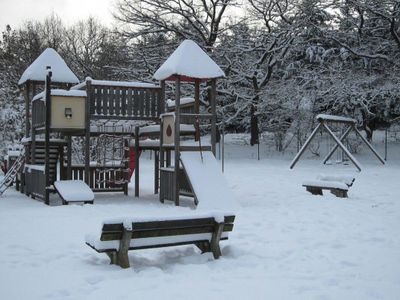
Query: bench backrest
x,y
156,229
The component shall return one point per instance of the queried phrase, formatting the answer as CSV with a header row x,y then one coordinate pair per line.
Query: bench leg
x,y
113,257
314,190
216,236
339,193
122,254
204,246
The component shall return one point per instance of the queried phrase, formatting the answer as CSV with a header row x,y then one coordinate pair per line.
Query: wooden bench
x,y
337,184
119,236
315,187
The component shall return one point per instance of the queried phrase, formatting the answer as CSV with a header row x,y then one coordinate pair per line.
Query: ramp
x,y
208,182
74,191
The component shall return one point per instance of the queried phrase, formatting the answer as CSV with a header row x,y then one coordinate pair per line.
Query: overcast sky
x,y
15,12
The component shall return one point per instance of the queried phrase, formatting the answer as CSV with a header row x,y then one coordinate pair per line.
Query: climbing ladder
x,y
12,173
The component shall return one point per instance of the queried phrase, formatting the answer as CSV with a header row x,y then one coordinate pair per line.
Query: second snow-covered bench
x,y
337,185
118,236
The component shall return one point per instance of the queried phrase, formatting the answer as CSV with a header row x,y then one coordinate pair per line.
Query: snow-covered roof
x,y
134,84
37,70
60,92
189,61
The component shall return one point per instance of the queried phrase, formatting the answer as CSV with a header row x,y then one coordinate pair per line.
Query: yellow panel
x,y
58,118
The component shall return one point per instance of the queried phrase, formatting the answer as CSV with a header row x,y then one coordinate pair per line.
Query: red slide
x,y
132,159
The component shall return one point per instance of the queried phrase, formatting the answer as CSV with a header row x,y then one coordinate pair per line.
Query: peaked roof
x,y
37,70
190,62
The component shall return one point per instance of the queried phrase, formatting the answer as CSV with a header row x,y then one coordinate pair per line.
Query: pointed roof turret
x,y
190,62
37,70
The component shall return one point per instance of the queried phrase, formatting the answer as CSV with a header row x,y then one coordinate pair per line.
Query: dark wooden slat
x,y
168,224
110,236
123,102
129,100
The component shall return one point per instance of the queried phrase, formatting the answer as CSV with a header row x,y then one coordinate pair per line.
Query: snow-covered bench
x,y
74,191
338,185
118,236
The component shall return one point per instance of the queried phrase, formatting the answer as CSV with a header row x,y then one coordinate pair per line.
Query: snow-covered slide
x,y
74,191
208,182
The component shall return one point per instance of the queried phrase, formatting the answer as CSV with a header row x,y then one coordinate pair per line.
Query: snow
x,y
208,182
60,92
286,243
29,167
335,118
13,152
183,101
133,84
37,70
347,179
74,190
191,61
327,184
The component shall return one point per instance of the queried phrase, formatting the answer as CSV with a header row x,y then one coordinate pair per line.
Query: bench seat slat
x,y
117,235
167,224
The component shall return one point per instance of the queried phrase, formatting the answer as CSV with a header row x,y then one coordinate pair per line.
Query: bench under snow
x,y
74,191
118,236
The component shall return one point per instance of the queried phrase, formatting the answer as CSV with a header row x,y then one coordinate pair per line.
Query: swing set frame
x,y
349,125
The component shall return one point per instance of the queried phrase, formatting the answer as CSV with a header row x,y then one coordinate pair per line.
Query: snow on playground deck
x,y
286,243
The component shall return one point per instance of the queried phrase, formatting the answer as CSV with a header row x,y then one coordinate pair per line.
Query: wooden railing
x,y
103,179
38,114
121,102
35,183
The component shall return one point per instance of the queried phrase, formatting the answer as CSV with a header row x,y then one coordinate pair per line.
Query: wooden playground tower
x,y
134,111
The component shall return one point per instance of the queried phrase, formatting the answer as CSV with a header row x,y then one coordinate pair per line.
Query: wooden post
x,y
47,137
122,254
162,100
137,161
156,171
87,130
216,236
177,136
303,149
368,144
27,108
69,157
214,115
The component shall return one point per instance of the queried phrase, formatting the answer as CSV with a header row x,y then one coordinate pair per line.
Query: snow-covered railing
x,y
103,178
123,100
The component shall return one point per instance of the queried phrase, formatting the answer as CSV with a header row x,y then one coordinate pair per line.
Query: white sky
x,y
15,12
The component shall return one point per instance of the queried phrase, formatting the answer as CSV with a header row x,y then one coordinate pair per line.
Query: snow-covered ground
x,y
286,244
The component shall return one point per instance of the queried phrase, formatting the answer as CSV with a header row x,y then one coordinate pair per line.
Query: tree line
x,y
284,60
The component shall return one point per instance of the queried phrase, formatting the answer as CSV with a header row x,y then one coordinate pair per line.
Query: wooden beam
x,y
344,135
47,137
369,145
137,151
87,130
304,147
177,137
214,115
345,150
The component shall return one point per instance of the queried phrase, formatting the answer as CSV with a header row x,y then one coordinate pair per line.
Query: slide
x,y
132,161
208,181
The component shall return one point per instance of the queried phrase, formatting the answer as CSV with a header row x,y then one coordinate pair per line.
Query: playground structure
x,y
126,117
323,121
